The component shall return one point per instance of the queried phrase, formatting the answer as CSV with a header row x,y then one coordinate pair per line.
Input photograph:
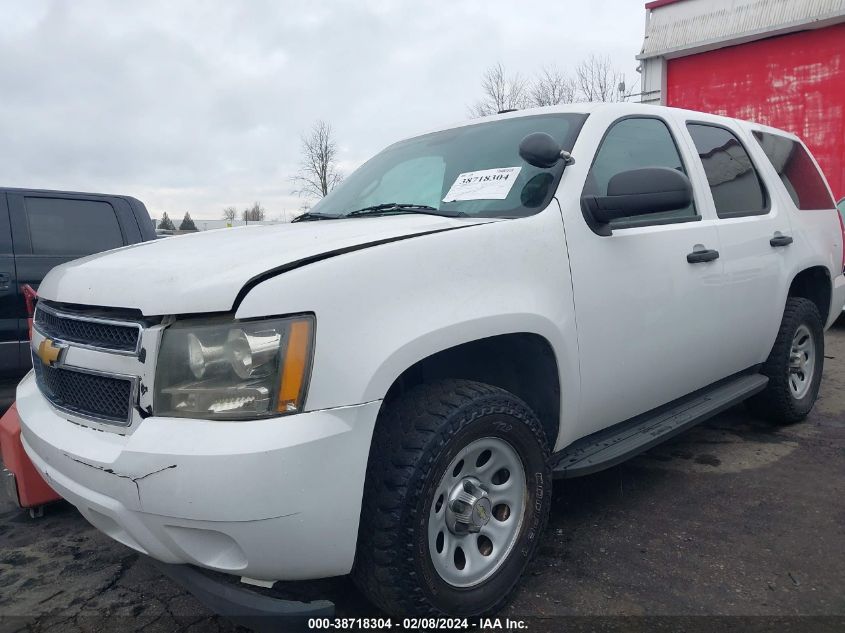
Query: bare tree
x,y
229,214
501,92
318,171
255,213
551,87
598,80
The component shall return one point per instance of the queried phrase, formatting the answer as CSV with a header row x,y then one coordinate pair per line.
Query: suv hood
x,y
205,272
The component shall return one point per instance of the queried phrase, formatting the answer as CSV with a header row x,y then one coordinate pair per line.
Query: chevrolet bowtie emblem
x,y
49,352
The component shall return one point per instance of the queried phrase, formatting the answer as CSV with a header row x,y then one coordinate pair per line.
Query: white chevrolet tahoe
x,y
388,386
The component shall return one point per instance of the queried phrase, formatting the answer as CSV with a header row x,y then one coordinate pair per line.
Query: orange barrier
x,y
27,484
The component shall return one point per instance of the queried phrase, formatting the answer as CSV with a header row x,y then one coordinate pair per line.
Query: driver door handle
x,y
699,257
781,240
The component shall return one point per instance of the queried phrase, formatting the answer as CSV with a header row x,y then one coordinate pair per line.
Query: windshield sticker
x,y
487,184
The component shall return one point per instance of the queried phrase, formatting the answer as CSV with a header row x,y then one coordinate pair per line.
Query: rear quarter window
x,y
797,171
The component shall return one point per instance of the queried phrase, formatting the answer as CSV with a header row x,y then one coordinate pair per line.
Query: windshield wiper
x,y
398,207
309,216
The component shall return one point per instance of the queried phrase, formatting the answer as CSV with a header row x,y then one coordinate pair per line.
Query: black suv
x,y
42,229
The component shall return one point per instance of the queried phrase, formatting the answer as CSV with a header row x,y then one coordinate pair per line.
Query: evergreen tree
x,y
187,223
166,223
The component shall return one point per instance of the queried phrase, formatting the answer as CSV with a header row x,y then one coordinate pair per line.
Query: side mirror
x,y
640,192
541,150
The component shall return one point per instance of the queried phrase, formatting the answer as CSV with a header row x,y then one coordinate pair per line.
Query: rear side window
x,y
631,144
736,187
796,170
71,227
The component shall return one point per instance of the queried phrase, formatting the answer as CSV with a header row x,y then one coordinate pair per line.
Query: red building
x,y
778,62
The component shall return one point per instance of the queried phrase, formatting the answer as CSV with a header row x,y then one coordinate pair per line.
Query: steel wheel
x,y
477,512
802,362
458,492
794,366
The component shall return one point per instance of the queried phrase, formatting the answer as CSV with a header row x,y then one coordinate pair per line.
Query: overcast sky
x,y
197,105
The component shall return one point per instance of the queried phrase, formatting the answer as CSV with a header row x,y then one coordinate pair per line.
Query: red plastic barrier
x,y
32,490
30,297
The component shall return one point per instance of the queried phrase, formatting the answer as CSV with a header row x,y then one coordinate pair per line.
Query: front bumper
x,y
275,499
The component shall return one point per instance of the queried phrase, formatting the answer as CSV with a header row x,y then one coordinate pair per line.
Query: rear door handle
x,y
781,240
5,281
698,257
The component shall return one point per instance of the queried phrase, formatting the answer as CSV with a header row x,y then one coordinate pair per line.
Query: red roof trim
x,y
656,4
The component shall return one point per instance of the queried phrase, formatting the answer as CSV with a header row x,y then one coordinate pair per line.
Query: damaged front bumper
x,y
275,499
243,606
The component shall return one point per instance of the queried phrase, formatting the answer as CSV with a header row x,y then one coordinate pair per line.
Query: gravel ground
x,y
733,518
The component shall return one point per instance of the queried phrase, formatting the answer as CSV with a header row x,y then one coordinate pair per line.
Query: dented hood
x,y
206,271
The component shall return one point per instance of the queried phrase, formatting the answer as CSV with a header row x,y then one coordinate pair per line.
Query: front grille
x,y
89,395
90,332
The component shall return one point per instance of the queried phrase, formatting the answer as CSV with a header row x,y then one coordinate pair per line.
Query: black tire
x,y
415,439
777,403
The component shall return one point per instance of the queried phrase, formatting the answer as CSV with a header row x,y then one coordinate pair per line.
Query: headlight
x,y
222,369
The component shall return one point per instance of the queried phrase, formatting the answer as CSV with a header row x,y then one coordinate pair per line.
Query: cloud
x,y
197,105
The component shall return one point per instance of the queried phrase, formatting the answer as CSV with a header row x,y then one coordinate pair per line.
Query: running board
x,y
614,445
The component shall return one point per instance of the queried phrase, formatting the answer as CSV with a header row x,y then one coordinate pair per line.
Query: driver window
x,y
632,144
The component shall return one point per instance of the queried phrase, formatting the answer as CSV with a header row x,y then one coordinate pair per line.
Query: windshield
x,y
468,171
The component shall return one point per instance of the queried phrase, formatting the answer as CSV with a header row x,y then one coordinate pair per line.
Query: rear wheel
x,y
458,491
794,366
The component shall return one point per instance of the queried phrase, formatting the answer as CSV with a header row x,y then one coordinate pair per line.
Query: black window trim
x,y
6,238
767,199
607,230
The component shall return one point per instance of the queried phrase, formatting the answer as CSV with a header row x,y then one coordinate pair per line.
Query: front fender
x,y
382,309
429,343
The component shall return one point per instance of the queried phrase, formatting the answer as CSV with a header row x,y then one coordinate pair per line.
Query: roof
x,y
656,4
619,109
677,27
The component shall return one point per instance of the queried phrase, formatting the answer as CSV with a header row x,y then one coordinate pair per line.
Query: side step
x,y
614,445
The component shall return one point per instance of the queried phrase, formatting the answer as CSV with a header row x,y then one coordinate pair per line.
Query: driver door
x,y
647,319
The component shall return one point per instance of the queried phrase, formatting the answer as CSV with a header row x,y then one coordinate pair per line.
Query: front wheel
x,y
458,491
794,366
